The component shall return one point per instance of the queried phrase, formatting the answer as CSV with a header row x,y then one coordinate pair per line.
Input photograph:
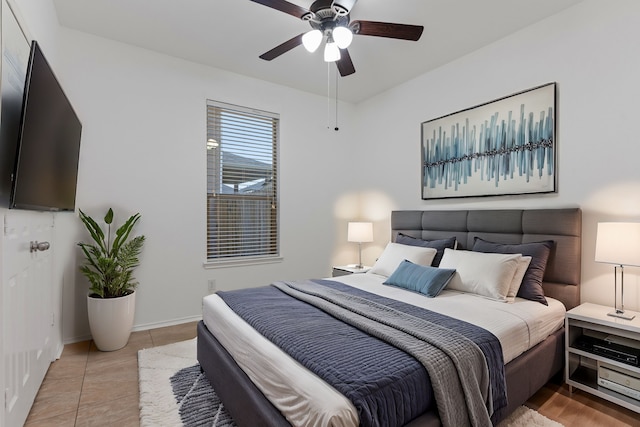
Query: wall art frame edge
x,y
514,151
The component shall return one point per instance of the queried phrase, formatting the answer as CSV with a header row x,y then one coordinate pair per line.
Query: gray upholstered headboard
x,y
564,226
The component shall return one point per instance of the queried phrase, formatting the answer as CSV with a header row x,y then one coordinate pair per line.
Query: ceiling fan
x,y
330,20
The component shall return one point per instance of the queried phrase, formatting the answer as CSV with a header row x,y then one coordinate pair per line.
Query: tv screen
x,y
46,165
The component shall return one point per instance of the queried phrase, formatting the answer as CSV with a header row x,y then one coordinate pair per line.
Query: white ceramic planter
x,y
111,320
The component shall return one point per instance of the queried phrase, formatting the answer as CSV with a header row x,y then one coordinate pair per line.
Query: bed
x,y
525,370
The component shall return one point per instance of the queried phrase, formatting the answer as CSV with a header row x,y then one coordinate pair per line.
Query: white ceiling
x,y
231,34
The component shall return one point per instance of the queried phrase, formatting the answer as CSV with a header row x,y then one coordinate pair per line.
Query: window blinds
x,y
242,198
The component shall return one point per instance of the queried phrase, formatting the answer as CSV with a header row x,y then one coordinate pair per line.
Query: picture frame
x,y
502,147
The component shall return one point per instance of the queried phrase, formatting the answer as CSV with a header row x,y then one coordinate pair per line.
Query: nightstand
x,y
343,270
600,354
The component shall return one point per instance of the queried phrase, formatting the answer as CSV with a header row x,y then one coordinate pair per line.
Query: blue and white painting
x,y
506,146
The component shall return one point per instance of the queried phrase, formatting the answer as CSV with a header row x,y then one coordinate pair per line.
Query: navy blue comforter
x,y
387,386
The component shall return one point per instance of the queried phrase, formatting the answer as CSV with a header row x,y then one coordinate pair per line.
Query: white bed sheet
x,y
518,326
306,400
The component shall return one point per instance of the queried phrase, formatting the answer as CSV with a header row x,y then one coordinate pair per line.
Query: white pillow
x,y
486,274
523,264
395,253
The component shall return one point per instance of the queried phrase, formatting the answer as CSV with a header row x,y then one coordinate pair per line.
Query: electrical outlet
x,y
211,284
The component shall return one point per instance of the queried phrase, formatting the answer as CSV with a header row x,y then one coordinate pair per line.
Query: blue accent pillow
x,y
531,287
419,278
440,245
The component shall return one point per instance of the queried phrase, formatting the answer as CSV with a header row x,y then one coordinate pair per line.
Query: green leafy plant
x,y
109,264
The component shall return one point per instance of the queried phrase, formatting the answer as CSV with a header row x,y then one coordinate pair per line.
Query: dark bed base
x,y
248,406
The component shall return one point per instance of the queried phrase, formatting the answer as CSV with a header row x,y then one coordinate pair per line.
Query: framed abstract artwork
x,y
502,147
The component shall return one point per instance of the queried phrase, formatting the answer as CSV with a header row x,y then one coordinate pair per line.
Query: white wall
x,y
143,150
590,50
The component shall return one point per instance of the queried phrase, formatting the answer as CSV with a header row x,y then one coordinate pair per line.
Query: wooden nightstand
x,y
619,379
343,270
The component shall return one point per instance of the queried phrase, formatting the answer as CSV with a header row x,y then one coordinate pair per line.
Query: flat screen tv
x,y
46,164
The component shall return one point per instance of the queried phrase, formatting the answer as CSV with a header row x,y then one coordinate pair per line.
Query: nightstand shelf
x,y
586,379
581,366
344,270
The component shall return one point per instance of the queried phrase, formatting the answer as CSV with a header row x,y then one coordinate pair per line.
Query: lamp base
x,y
621,314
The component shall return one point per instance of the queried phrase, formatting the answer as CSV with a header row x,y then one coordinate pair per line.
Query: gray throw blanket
x,y
456,366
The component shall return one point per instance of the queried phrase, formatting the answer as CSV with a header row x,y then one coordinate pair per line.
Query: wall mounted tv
x,y
46,164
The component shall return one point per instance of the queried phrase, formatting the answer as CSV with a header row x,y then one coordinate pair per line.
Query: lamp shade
x,y
331,52
360,232
342,36
618,243
311,40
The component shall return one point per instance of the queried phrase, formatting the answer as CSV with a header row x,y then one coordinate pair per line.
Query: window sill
x,y
242,262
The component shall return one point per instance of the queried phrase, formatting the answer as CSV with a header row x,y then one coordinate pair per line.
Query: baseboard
x,y
143,327
166,323
73,340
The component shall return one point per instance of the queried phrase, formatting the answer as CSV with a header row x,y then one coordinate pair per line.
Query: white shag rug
x,y
527,417
160,366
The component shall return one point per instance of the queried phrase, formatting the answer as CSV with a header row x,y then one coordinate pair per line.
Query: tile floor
x,y
86,387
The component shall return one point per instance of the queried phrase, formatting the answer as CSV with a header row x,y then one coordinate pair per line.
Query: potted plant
x,y
109,265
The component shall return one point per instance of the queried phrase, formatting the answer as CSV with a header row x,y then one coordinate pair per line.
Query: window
x,y
242,190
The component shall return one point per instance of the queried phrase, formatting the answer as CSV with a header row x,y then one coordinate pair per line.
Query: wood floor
x,y
580,409
86,387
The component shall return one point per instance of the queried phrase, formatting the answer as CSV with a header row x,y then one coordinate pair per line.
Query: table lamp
x,y
360,232
618,243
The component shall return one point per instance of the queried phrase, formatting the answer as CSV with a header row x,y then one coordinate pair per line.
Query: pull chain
x,y
328,94
336,128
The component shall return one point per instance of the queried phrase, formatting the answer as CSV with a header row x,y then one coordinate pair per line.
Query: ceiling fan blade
x,y
344,64
282,48
387,29
284,6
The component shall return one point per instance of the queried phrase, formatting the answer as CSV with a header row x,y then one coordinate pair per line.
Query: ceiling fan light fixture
x,y
331,52
311,40
342,36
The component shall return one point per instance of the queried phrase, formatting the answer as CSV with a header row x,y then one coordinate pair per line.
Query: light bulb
x,y
331,52
312,40
342,36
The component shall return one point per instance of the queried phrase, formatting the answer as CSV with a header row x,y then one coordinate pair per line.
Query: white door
x,y
27,309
